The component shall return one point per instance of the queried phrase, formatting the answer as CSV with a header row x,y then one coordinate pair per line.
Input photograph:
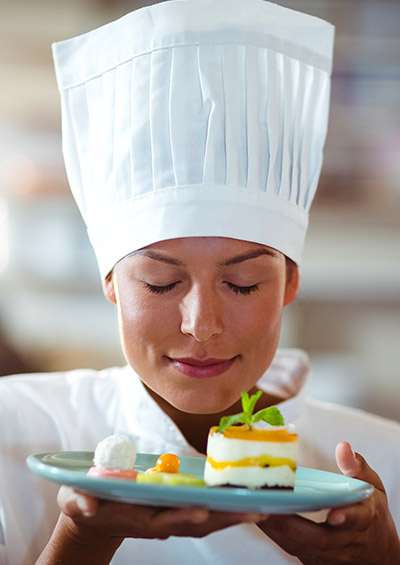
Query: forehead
x,y
219,250
218,244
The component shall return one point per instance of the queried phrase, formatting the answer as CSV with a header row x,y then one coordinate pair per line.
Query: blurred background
x,y
52,312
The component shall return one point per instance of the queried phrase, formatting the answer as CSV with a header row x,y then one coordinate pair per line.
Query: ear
x,y
108,289
292,282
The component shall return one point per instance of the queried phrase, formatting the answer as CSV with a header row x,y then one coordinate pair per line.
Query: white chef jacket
x,y
74,410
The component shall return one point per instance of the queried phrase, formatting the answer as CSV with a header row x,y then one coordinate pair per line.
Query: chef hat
x,y
196,118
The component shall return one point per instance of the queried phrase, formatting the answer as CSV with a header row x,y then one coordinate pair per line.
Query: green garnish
x,y
271,415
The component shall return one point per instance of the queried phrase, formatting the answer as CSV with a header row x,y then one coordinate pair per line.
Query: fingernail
x,y
255,517
82,504
198,516
337,519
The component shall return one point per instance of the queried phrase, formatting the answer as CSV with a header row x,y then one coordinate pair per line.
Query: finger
x,y
76,504
239,517
183,516
291,526
219,521
164,519
275,529
357,517
195,522
354,465
302,537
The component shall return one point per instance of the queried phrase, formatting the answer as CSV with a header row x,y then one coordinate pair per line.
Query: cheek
x,y
259,331
142,326
253,332
261,320
263,338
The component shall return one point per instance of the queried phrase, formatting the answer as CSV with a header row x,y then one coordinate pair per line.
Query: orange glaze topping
x,y
243,432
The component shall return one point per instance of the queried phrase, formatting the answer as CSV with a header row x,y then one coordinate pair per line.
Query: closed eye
x,y
160,289
242,289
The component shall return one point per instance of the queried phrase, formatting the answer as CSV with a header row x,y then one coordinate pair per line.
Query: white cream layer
x,y
250,477
221,448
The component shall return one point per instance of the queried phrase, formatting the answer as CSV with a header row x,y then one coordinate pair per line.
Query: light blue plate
x,y
313,490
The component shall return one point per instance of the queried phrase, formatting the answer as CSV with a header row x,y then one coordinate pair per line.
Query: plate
x,y
314,489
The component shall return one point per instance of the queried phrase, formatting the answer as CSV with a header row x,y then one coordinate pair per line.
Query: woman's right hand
x,y
90,530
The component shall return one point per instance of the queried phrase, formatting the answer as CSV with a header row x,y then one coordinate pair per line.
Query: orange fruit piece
x,y
168,463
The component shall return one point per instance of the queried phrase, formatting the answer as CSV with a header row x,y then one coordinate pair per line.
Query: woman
x,y
193,135
199,320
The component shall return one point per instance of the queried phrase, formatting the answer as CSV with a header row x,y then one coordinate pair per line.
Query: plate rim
x,y
217,498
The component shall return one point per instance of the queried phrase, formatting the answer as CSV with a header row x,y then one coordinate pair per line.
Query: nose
x,y
201,313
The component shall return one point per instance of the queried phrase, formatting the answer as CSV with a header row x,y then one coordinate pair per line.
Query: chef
x,y
193,133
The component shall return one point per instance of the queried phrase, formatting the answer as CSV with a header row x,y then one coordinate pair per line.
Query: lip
x,y
202,368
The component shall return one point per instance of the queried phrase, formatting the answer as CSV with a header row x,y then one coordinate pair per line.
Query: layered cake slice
x,y
252,451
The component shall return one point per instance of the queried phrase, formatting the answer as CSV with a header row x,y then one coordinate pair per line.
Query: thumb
x,y
354,465
76,504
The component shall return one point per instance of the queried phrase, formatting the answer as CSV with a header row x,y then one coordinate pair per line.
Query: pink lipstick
x,y
202,368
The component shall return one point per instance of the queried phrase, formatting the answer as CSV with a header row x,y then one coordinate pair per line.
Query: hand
x,y
118,519
360,534
90,530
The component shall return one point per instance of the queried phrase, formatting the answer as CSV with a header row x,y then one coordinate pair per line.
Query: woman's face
x,y
200,317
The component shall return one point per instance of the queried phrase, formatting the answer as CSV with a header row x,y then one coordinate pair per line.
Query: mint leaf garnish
x,y
271,415
227,421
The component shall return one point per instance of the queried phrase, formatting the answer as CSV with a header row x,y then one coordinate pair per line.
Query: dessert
x,y
114,457
166,472
260,453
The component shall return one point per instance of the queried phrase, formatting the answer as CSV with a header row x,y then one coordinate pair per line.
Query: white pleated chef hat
x,y
196,118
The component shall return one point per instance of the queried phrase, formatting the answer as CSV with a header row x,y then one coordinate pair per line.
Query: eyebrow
x,y
226,263
246,256
157,256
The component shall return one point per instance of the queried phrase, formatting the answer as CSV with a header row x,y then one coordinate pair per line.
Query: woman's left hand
x,y
360,534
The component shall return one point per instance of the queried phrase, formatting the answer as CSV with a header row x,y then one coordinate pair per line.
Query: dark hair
x,y
291,267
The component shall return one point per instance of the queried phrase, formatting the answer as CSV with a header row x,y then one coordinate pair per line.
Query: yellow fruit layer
x,y
260,461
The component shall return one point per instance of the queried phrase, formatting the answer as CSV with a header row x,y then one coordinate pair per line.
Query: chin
x,y
194,404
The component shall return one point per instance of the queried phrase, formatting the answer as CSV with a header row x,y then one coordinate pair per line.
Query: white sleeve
x,y
28,507
3,556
